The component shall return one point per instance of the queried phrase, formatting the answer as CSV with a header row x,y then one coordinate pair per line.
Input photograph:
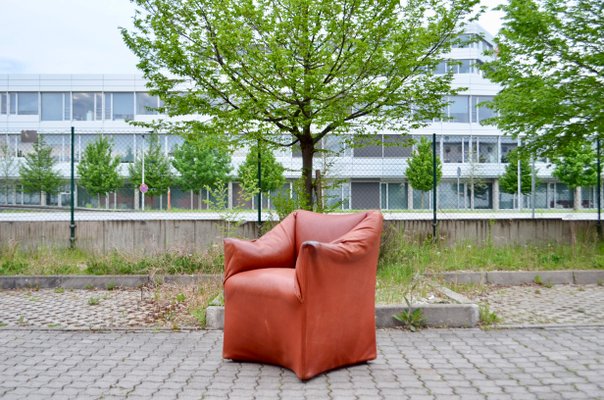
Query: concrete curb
x,y
97,282
435,315
512,278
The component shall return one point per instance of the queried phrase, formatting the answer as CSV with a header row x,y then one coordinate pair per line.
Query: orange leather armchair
x,y
303,295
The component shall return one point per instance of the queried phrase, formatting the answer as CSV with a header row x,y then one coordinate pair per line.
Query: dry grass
x,y
182,306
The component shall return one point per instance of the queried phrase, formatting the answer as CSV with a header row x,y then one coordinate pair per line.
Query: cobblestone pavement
x,y
101,309
540,305
553,363
73,309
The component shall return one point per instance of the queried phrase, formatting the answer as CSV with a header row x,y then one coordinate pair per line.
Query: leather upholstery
x,y
303,295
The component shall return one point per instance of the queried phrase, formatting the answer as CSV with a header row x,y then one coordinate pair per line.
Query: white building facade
x,y
473,155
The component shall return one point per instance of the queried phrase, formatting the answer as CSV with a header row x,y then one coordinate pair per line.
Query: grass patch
x,y
401,257
76,262
184,305
487,317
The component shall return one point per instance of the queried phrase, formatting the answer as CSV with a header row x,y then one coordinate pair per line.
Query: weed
x,y
538,280
180,298
94,301
487,317
411,318
111,285
548,285
600,282
89,287
21,320
54,326
59,290
200,315
3,324
537,291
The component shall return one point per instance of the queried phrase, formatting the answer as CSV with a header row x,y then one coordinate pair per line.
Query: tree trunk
x,y
308,148
577,199
42,198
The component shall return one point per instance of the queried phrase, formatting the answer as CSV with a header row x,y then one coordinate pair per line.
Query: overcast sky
x,y
82,36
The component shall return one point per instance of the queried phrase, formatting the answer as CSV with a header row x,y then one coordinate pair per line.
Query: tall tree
x,y
420,169
550,67
200,164
7,167
38,174
271,171
98,169
577,168
158,174
508,182
299,69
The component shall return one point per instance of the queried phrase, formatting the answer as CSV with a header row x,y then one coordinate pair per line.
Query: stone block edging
x,y
435,315
96,281
512,278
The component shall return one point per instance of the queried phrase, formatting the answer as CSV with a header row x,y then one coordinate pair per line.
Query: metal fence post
x,y
434,184
72,226
599,187
259,189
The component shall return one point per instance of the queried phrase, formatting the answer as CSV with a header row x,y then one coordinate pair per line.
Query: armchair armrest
x,y
335,267
273,250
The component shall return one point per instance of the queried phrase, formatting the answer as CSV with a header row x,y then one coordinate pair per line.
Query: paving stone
x,y
539,305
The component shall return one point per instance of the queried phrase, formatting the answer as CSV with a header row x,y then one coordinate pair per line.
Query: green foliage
x,y
297,70
286,201
98,170
37,174
271,170
508,182
8,164
420,170
158,175
94,301
487,317
577,165
411,319
549,64
201,164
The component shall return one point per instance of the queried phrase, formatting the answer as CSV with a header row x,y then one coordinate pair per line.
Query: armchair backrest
x,y
323,227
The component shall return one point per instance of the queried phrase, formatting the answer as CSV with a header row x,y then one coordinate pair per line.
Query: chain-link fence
x,y
475,177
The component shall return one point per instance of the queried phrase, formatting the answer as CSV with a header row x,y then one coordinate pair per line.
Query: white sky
x,y
82,36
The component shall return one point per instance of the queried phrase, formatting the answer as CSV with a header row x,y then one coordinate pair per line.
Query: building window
x,y
458,109
441,68
3,103
53,105
394,196
146,104
397,146
24,103
487,149
368,146
480,111
365,195
452,149
464,42
84,106
122,106
507,145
